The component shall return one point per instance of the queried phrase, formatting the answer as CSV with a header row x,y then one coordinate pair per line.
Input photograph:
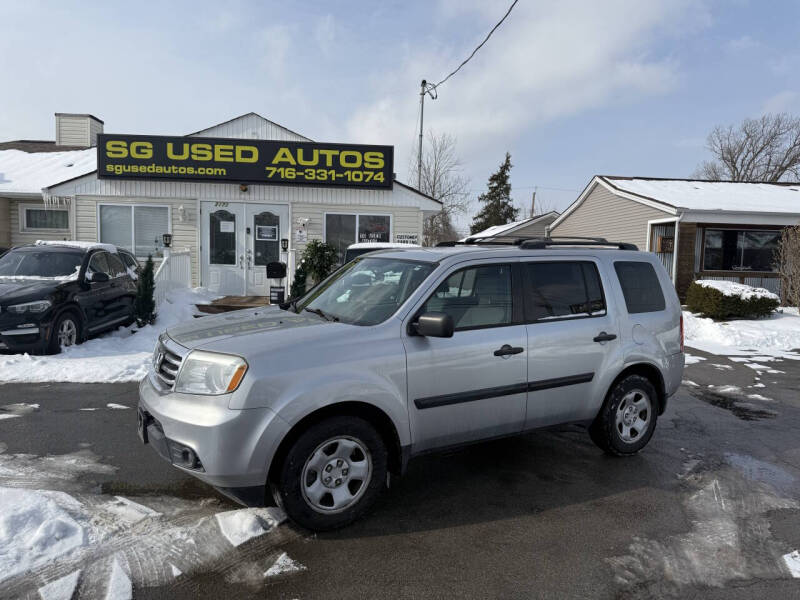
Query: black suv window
x,y
475,297
640,286
563,289
98,263
115,266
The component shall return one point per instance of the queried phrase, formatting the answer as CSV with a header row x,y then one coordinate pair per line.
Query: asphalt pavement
x,y
707,510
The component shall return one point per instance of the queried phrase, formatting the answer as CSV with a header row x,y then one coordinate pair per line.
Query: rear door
x,y
571,338
122,290
98,300
473,385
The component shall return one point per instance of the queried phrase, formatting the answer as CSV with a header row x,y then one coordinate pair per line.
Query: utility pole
x,y
423,85
533,202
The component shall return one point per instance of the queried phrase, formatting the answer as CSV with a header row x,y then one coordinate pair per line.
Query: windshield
x,y
366,291
45,264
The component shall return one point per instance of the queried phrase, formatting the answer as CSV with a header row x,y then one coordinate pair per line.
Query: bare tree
x,y
443,180
787,263
763,149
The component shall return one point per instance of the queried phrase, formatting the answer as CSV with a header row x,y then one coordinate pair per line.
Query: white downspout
x,y
675,251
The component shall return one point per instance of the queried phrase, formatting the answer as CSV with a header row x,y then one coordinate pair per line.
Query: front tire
x,y
66,332
332,473
627,420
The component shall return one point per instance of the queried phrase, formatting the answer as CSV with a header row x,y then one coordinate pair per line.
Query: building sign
x,y
243,161
267,233
407,238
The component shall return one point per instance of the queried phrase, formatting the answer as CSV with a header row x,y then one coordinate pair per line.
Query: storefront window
x,y
739,250
266,243
222,241
343,230
135,228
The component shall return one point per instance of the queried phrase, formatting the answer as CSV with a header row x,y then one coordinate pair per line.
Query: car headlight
x,y
210,373
39,306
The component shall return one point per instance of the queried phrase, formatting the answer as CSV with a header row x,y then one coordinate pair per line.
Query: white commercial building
x,y
236,195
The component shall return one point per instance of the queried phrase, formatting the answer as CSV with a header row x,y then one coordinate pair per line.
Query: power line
x,y
479,46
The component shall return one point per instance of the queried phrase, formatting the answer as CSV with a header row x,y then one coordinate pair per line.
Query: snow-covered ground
x,y
113,357
58,533
777,336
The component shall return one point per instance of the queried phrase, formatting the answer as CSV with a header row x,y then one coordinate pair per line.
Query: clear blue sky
x,y
570,88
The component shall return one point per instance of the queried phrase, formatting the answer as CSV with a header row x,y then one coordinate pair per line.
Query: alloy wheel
x,y
67,333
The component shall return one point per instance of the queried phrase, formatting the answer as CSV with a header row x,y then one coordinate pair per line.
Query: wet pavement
x,y
707,510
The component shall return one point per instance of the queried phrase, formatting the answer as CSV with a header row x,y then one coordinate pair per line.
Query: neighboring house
x,y
526,228
699,229
51,190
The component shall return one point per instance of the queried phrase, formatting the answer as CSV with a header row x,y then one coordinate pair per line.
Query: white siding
x,y
604,214
537,229
251,126
19,237
184,232
5,223
95,127
77,130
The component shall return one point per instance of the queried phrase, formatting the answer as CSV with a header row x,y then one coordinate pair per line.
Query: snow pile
x,y
282,565
117,356
60,589
730,288
238,526
792,561
773,336
34,529
31,171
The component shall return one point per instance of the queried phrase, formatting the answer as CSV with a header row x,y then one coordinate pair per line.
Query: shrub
x,y
298,289
319,259
725,300
144,306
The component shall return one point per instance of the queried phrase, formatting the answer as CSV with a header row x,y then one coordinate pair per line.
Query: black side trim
x,y
471,396
546,384
503,390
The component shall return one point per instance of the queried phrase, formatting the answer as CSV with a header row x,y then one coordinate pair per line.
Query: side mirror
x,y
434,324
97,277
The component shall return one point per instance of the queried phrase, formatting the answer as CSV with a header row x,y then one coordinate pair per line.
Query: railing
x,y
174,272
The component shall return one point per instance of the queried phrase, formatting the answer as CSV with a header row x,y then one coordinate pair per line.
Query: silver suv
x,y
405,351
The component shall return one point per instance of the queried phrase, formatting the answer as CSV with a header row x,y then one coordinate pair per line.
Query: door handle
x,y
604,337
507,350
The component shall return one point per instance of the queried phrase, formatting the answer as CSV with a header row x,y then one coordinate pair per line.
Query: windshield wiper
x,y
319,312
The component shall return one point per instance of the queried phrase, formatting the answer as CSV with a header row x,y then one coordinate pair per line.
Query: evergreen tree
x,y
144,305
298,289
497,206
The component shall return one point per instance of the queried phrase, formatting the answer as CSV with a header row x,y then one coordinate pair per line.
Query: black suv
x,y
56,295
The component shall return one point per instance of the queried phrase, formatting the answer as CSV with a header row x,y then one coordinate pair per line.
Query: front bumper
x,y
23,334
234,448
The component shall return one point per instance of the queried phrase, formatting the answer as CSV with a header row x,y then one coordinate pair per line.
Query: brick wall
x,y
685,266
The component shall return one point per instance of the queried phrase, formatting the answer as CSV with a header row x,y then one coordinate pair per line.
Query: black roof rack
x,y
541,243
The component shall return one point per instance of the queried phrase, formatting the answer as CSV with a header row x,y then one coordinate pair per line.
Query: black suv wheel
x,y
66,332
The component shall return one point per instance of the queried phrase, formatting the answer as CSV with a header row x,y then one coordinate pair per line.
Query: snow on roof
x,y
378,245
715,195
81,245
496,230
29,172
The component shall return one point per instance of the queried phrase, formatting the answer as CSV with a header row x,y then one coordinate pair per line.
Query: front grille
x,y
166,365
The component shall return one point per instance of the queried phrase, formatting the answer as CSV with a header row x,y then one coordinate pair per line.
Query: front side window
x,y
366,291
343,230
739,250
46,218
99,264
115,266
475,297
136,228
563,289
640,286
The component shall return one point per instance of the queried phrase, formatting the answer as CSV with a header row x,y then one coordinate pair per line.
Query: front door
x,y
223,231
263,230
473,385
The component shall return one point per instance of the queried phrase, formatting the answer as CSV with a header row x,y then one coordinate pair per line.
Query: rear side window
x,y
640,286
563,289
115,266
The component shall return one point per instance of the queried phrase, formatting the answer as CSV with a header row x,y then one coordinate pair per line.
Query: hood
x,y
201,331
21,289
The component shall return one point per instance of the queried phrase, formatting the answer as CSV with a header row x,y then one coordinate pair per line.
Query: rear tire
x,y
66,332
627,420
332,473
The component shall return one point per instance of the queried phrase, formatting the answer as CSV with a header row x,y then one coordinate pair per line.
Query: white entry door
x,y
265,225
223,241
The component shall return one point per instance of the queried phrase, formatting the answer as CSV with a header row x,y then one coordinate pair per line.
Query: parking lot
x,y
708,509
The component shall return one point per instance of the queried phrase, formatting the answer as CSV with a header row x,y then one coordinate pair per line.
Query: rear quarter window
x,y
640,286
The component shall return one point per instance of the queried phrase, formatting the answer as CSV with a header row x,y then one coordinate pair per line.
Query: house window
x,y
739,250
343,230
40,218
137,228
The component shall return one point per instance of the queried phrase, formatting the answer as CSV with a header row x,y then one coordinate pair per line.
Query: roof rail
x,y
542,243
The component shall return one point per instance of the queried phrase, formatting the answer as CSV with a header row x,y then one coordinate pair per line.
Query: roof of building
x,y
509,228
29,172
698,194
36,146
